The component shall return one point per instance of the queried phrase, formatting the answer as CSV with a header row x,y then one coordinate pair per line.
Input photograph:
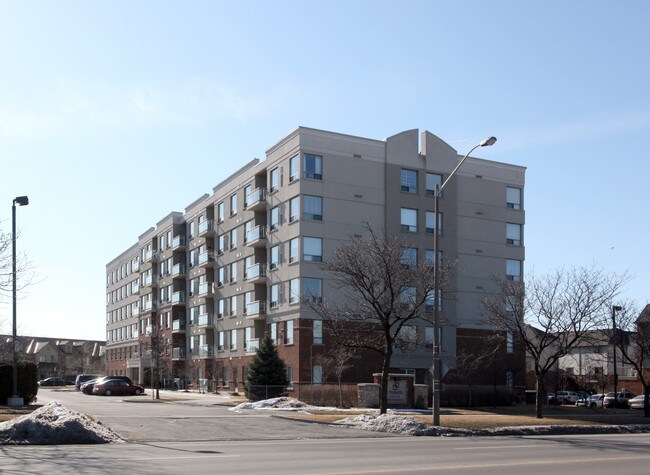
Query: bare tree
x,y
631,337
552,313
336,362
472,361
24,269
383,292
159,350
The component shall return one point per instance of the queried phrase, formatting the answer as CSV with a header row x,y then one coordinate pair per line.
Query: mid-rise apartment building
x,y
233,266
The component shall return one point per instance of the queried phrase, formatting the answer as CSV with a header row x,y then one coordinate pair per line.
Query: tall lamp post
x,y
15,399
437,369
615,308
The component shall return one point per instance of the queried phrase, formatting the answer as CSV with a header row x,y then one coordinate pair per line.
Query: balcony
x,y
206,351
149,305
178,270
205,289
178,326
178,298
252,345
206,228
150,255
255,310
178,242
256,237
256,200
135,311
148,281
178,353
205,319
135,266
206,259
256,273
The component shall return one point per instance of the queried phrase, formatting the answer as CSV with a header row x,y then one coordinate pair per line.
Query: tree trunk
x,y
646,400
340,393
383,392
539,382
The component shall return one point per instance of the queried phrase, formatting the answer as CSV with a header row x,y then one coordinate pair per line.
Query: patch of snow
x,y
273,404
54,424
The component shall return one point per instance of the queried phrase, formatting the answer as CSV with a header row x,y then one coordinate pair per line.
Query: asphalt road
x,y
288,452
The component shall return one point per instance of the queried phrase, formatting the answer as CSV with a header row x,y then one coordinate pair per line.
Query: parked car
x,y
636,402
563,397
83,378
595,400
111,387
621,400
54,382
87,387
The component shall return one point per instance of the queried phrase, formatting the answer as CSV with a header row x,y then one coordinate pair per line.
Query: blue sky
x,y
112,114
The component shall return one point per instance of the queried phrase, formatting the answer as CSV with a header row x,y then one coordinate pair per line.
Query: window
x,y
290,376
293,249
274,333
312,289
409,220
312,249
409,257
293,209
233,205
409,180
233,305
247,191
312,208
513,269
275,219
222,341
510,379
510,342
274,180
513,198
221,276
222,244
317,374
221,308
274,262
428,337
434,180
221,212
233,339
429,301
248,226
288,332
233,272
233,238
431,224
294,290
275,296
513,234
248,299
248,336
313,166
191,229
293,168
407,297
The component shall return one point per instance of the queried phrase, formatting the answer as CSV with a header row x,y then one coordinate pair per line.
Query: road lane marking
x,y
498,447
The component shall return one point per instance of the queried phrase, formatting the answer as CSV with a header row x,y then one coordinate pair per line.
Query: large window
x,y
222,243
312,249
274,181
221,276
312,289
233,205
513,234
294,245
312,208
318,332
313,166
409,220
233,305
221,212
233,339
233,272
431,223
293,209
233,238
433,180
275,219
274,262
513,197
513,269
221,308
293,168
409,180
409,257
294,290
274,301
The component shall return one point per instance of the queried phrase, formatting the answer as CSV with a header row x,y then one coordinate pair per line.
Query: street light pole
x,y
15,399
615,308
437,369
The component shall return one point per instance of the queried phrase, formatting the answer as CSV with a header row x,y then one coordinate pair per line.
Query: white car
x,y
636,402
565,397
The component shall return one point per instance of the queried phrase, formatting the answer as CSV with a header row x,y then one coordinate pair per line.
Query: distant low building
x,y
64,358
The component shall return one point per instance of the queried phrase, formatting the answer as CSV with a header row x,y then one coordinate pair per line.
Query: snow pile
x,y
398,425
274,404
54,424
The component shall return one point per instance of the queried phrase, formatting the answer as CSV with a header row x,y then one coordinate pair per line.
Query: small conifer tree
x,y
267,374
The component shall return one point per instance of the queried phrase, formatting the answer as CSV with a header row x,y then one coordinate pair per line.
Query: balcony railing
x,y
206,226
256,199
252,345
148,280
178,270
256,308
178,297
178,325
149,255
178,241
256,236
149,305
178,353
206,257
205,319
205,288
256,272
135,266
206,351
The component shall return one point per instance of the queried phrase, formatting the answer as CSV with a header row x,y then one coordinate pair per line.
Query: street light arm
x,y
485,143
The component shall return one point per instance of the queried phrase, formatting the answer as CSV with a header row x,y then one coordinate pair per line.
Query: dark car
x,y
83,378
87,388
54,382
115,387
